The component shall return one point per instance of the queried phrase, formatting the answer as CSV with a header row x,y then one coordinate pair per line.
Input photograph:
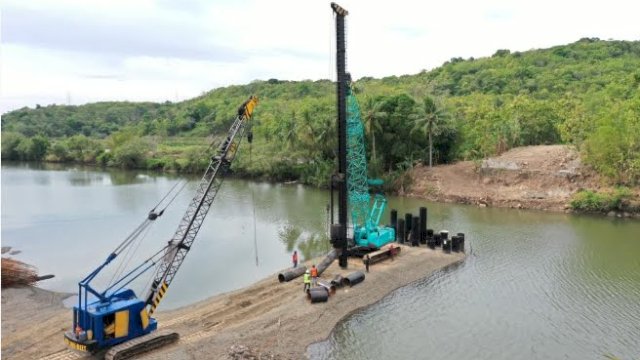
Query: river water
x,y
534,286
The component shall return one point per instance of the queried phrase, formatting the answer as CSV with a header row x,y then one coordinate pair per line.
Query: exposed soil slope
x,y
532,177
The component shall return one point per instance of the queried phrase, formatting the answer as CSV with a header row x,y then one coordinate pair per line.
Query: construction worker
x,y
314,275
294,258
367,261
307,281
392,251
81,335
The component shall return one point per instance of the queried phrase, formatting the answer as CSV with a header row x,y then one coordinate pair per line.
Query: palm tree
x,y
371,116
428,119
288,130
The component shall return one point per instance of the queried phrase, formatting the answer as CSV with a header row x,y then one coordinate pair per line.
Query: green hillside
x,y
585,93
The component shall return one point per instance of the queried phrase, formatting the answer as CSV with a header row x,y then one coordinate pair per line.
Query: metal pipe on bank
x,y
423,225
318,294
446,242
408,219
331,289
394,220
324,264
400,231
431,239
354,278
337,281
291,274
415,231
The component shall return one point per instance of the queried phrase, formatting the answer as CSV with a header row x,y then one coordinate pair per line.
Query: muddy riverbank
x,y
267,319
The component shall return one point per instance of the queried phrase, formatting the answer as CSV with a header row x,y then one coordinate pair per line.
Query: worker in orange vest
x,y
314,275
294,258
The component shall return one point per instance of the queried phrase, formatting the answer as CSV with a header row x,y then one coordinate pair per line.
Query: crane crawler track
x,y
140,345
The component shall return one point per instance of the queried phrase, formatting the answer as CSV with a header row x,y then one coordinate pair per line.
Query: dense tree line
x,y
585,93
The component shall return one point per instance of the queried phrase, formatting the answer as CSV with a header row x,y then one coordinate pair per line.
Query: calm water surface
x,y
66,221
535,286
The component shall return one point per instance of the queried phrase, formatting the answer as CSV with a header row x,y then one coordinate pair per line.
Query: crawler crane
x,y
117,319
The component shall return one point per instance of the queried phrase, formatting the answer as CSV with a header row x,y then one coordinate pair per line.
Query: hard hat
x,y
306,272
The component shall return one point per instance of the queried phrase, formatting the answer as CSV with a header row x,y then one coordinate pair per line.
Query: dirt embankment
x,y
268,320
533,177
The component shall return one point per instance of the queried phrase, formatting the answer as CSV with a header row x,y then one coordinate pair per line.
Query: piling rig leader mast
x,y
117,318
351,181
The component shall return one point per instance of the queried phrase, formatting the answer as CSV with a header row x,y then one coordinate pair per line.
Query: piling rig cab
x,y
351,180
116,317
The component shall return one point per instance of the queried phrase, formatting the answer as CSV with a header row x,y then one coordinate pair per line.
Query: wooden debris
x,y
16,273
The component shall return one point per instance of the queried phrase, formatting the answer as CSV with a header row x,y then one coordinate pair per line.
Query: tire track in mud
x,y
65,355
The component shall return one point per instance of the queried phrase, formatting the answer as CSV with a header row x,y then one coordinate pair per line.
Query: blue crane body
x,y
115,315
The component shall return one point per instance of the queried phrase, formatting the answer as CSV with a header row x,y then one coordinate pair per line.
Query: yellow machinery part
x,y
74,345
122,323
144,317
158,297
250,106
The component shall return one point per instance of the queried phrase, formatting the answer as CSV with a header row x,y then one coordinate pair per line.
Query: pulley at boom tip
x,y
339,9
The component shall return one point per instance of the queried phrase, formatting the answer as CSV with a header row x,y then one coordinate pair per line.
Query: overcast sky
x,y
79,51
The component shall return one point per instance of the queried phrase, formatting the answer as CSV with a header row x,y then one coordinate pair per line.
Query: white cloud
x,y
159,50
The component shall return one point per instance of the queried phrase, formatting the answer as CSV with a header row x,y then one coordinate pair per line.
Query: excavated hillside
x,y
533,177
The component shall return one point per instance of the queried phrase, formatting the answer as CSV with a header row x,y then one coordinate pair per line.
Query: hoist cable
x,y
253,202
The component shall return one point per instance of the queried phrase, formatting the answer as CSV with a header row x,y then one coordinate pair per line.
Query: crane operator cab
x,y
98,324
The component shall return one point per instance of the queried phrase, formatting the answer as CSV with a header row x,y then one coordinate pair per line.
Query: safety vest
x,y
314,272
307,278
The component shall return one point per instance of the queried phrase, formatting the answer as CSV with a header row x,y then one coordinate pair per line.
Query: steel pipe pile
x,y
291,274
423,225
318,294
331,256
354,278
